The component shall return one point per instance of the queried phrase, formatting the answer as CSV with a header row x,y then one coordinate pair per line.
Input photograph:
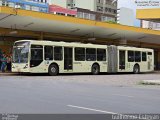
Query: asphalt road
x,y
78,94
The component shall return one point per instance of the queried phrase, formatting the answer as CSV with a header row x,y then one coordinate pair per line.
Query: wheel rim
x,y
53,69
136,70
95,69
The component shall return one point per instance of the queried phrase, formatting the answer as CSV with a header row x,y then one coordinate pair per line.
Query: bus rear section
x,y
130,59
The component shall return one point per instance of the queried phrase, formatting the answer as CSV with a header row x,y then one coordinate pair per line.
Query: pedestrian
x,y
9,63
0,57
3,62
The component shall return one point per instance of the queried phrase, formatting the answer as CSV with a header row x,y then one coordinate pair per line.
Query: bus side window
x,y
137,56
36,52
58,53
101,55
149,53
91,54
48,50
144,56
79,54
130,56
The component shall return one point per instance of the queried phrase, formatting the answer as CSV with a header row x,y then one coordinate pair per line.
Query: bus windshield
x,y
20,52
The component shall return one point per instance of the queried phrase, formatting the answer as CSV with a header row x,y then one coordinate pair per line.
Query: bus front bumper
x,y
20,68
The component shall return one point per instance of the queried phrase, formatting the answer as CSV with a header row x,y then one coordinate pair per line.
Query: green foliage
x,y
112,22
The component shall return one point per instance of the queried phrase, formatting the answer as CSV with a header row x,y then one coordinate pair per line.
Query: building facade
x,y
55,9
150,25
92,15
105,9
33,5
122,19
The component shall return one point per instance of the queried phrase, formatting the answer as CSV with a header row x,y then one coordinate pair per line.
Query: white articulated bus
x,y
31,56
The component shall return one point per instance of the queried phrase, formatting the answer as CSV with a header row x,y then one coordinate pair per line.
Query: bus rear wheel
x,y
95,69
53,70
136,69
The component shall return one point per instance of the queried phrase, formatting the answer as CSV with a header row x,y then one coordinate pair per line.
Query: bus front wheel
x,y
53,70
95,69
136,69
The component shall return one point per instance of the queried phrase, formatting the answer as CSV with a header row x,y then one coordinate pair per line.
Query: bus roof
x,y
79,44
61,43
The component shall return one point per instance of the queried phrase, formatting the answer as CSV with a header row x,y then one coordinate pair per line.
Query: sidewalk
x,y
7,73
157,71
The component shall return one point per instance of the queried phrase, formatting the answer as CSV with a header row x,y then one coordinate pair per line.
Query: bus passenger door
x,y
36,59
48,56
68,58
150,61
122,60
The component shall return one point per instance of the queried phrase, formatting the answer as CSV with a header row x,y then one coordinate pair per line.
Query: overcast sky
x,y
131,4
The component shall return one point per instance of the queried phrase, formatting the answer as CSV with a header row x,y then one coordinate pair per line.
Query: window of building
x,y
99,8
99,1
60,13
106,9
11,4
79,54
70,15
115,4
90,54
130,56
144,56
86,15
104,18
0,2
115,11
101,55
108,2
28,7
48,51
79,14
58,53
158,25
137,56
92,16
110,19
34,8
4,3
43,9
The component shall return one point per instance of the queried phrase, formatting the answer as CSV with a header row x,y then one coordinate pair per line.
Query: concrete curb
x,y
7,73
151,82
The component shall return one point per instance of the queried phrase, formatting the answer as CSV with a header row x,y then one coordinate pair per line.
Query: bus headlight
x,y
13,66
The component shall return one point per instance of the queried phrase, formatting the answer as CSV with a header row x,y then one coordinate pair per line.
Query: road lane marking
x,y
102,111
123,95
91,109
